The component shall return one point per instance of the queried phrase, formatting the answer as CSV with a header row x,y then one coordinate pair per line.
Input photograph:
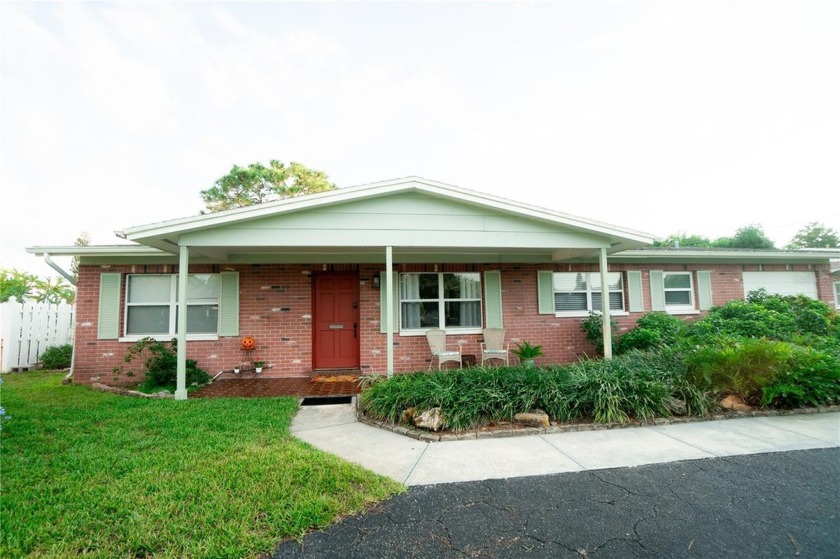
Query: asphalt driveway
x,y
761,505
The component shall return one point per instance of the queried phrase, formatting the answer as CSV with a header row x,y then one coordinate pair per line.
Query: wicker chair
x,y
494,346
437,345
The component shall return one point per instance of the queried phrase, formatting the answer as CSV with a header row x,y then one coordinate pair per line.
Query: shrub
x,y
768,372
811,379
593,326
57,356
786,318
642,385
161,365
653,330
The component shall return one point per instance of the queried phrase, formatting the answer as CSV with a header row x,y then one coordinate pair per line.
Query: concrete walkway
x,y
334,429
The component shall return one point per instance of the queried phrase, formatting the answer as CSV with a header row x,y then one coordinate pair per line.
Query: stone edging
x,y
514,431
134,393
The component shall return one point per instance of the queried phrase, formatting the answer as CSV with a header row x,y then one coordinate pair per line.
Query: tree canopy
x,y
257,183
683,240
750,236
24,286
815,235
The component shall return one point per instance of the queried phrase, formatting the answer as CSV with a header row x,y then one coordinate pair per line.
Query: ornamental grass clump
x,y
638,385
467,397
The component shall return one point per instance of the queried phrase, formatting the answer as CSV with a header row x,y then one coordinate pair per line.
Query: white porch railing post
x,y
181,374
389,308
605,306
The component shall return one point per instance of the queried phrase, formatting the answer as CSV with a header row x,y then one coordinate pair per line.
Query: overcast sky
x,y
699,117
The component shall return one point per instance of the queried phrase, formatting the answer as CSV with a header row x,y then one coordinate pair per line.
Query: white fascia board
x,y
95,250
175,227
736,255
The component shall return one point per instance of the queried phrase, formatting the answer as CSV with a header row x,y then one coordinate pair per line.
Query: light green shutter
x,y
493,299
383,321
108,325
229,304
704,289
657,291
634,291
545,291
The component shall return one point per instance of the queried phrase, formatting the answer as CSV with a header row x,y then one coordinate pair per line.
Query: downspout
x,y
59,269
68,378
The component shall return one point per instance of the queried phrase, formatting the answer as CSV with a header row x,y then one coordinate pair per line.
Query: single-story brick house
x,y
306,277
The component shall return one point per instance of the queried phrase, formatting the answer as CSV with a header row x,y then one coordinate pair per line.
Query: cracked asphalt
x,y
760,505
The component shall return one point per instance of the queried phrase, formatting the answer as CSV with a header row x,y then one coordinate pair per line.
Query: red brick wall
x,y
276,303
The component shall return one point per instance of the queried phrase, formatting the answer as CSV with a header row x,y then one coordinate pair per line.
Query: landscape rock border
x,y
513,430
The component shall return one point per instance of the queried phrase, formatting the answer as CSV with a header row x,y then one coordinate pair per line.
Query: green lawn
x,y
90,473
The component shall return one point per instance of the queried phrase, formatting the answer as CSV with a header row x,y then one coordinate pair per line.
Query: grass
x,y
90,473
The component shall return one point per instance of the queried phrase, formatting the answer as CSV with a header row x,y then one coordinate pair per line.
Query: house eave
x,y
645,256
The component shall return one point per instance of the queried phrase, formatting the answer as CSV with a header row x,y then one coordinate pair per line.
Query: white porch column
x,y
181,375
389,309
605,306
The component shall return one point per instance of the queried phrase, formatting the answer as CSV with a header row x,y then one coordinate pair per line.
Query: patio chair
x,y
494,346
437,345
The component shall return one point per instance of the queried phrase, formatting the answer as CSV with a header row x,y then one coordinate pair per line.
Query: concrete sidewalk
x,y
334,429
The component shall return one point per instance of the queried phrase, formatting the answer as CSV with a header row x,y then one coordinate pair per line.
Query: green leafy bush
x,y
161,364
57,356
653,330
811,379
787,318
593,326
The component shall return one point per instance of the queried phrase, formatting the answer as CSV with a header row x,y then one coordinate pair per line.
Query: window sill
x,y
167,337
449,332
586,314
681,311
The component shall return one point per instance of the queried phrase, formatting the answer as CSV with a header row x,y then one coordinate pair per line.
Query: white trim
x,y
171,303
442,302
167,338
590,291
679,309
581,314
449,331
837,294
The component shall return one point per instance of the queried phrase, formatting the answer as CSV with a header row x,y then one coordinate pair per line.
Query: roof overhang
x,y
724,256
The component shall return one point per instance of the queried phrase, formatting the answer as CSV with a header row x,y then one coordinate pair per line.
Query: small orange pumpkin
x,y
248,343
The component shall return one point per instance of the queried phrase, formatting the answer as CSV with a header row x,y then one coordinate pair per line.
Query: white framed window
x,y
837,294
451,301
151,305
679,291
577,293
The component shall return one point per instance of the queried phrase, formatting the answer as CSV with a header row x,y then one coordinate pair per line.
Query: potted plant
x,y
258,365
236,369
527,353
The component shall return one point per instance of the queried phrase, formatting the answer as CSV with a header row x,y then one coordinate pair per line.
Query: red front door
x,y
336,319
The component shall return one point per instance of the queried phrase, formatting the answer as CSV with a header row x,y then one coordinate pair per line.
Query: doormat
x,y
334,378
326,401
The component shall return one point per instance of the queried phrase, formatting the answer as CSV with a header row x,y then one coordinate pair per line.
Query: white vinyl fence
x,y
27,329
